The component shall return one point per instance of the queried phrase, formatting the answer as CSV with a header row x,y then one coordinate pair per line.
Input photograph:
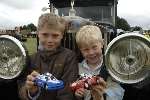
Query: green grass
x,y
31,45
148,36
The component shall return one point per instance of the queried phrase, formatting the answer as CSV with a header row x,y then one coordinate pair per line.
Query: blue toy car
x,y
48,82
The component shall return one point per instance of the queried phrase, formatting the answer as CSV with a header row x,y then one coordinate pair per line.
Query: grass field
x,y
31,45
148,36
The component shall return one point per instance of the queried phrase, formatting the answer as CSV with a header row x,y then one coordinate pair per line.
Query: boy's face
x,y
49,39
92,53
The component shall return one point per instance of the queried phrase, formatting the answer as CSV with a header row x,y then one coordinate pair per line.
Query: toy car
x,y
78,84
48,82
85,81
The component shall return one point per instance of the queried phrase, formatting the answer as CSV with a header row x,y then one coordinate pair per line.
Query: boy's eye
x,y
45,34
94,47
55,35
85,50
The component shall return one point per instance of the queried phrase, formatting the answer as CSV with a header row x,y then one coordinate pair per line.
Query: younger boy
x,y
90,42
52,58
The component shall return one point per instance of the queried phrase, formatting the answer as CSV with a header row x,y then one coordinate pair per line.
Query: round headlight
x,y
12,57
128,58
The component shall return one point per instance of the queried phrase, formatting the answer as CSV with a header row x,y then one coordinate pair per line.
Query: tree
x,y
136,28
31,27
24,27
121,23
21,28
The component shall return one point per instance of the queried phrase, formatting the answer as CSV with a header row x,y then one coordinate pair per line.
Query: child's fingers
x,y
34,73
32,76
29,84
102,82
98,88
30,80
80,92
96,95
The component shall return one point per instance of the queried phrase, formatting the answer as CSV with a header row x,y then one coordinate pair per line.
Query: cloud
x,y
141,20
136,12
134,7
6,23
20,12
18,4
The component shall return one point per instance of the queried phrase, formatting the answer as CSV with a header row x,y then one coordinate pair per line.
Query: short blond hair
x,y
52,21
88,35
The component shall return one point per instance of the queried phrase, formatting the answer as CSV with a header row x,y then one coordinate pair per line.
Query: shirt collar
x,y
85,65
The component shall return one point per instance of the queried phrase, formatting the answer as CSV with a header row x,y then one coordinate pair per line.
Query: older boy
x,y
90,42
52,58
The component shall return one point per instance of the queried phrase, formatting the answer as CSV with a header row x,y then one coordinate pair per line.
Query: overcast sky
x,y
22,12
136,12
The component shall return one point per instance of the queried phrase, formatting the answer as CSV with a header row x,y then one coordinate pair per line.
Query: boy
x,y
90,42
52,58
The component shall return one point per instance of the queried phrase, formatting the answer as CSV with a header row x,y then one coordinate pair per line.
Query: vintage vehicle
x,y
122,53
86,11
101,13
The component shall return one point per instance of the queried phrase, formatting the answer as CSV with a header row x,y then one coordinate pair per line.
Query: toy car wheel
x,y
86,85
98,81
46,87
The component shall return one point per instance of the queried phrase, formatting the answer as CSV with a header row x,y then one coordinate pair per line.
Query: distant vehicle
x,y
32,34
140,32
120,31
20,37
147,35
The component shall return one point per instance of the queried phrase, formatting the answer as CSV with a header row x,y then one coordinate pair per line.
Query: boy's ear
x,y
62,36
38,34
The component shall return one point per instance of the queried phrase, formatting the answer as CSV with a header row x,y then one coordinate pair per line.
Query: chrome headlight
x,y
12,57
127,58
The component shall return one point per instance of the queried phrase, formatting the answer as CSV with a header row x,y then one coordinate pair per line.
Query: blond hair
x,y
52,21
88,35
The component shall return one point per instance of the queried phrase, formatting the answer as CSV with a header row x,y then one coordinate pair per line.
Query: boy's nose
x,y
50,39
91,52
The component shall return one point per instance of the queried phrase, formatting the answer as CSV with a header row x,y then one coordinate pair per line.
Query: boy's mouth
x,y
92,57
50,45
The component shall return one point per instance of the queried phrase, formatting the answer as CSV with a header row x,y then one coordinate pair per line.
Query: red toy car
x,y
85,81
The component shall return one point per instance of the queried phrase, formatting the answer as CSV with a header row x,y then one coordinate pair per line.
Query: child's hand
x,y
30,82
101,86
80,92
98,90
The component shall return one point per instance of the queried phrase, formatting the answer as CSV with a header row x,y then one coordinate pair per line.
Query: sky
x,y
23,12
20,12
136,12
